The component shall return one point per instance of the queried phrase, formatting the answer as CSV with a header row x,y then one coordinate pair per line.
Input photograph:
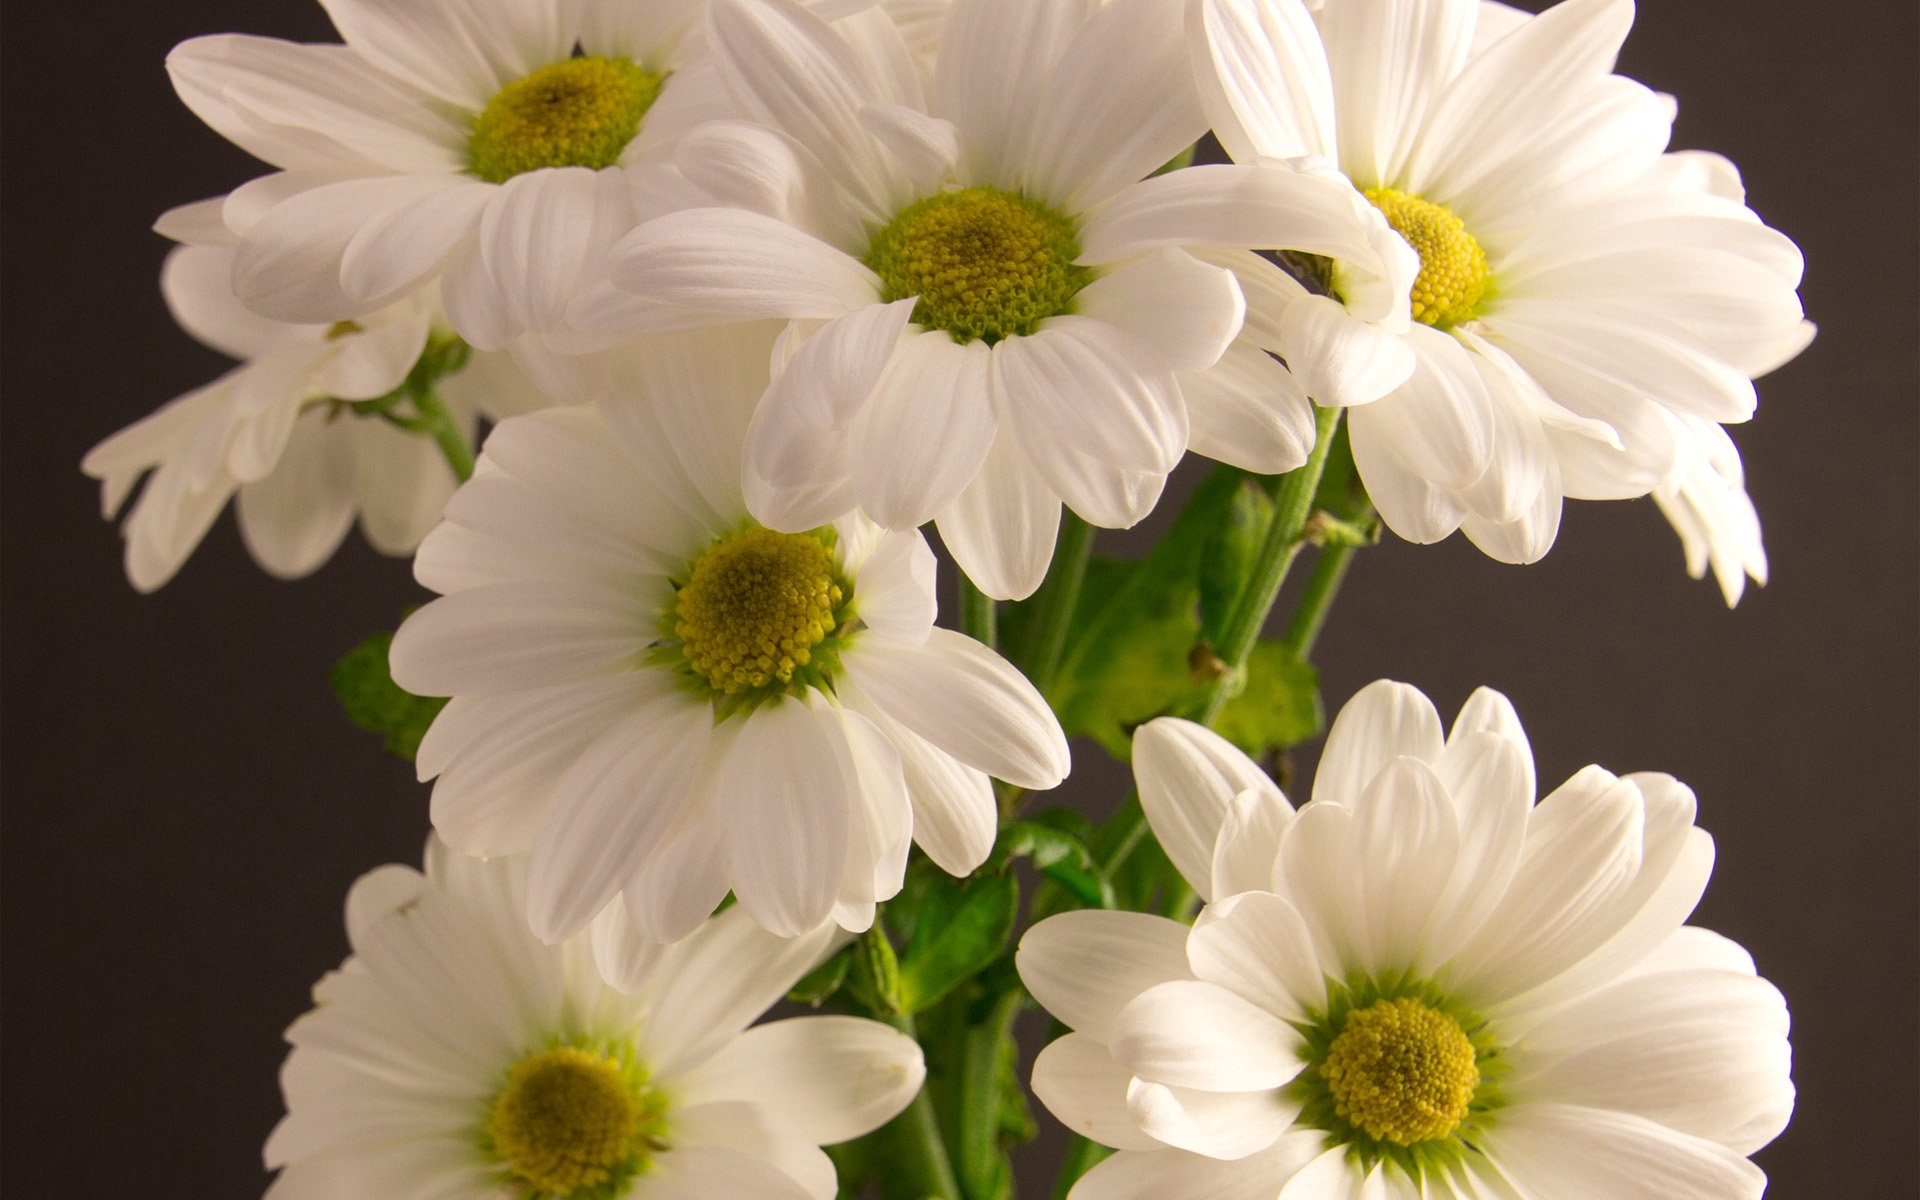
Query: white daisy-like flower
x,y
489,140
278,430
1705,499
1420,986
996,309
659,696
1570,295
455,1057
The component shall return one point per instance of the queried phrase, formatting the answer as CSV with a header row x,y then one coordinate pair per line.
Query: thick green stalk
x,y
1329,570
437,422
978,1153
979,618
1277,551
923,1164
1058,597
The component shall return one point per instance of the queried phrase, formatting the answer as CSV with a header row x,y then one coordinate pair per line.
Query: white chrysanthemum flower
x,y
455,1057
1570,295
1706,501
657,695
1421,986
1000,311
486,139
276,430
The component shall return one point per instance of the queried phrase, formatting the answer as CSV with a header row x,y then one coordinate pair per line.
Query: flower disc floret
x,y
986,264
1402,1071
578,113
1453,268
571,1121
756,607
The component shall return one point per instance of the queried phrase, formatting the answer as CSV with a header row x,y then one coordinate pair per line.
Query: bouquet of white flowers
x,y
656,333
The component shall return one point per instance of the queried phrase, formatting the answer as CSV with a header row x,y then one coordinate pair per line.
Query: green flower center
x,y
574,1121
1402,1071
1453,269
758,611
985,264
578,113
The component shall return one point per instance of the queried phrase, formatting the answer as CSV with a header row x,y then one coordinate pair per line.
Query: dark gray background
x,y
185,808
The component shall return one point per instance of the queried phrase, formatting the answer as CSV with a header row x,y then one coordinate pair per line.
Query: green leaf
x,y
962,944
364,685
823,981
1140,644
1059,855
1279,705
874,977
1229,555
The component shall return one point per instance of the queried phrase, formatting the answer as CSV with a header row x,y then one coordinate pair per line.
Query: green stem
x,y
979,618
1057,599
1282,543
1083,1157
1324,584
979,1144
439,423
923,1161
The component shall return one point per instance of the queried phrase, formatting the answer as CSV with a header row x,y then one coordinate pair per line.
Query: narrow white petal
x,y
1001,529
1248,845
716,983
293,519
1263,77
289,265
1390,63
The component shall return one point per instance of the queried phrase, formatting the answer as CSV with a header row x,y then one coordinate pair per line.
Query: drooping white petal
x,y
1249,411
828,1079
289,264
294,518
1086,1091
787,797
1248,844
968,701
1001,529
1081,385
1339,359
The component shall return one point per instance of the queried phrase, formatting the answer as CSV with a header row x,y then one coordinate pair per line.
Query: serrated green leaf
x,y
963,944
1279,704
363,683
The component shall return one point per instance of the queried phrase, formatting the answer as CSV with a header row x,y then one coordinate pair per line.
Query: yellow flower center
x,y
756,606
578,113
1453,268
986,264
1402,1071
570,1119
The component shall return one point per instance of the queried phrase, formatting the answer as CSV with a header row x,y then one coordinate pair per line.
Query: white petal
x,y
1406,834
1248,410
787,798
990,95
610,807
197,282
543,238
1263,77
924,431
1390,63
896,588
730,264
461,52
797,439
1265,207
289,265
293,519
1383,721
511,636
1256,945
1194,1034
713,1173
955,818
1573,1153
1225,1125
1170,302
1085,966
1248,845
1002,528
828,1079
968,701
1188,775
1339,359
402,481
1086,1091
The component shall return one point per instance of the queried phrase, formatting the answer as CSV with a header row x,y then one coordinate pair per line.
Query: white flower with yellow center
x,y
660,697
453,1056
1420,986
280,431
1570,296
486,140
994,309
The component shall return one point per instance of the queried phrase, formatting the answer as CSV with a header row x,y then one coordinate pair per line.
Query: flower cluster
x,y
748,292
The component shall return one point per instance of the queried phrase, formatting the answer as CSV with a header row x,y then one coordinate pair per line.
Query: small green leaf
x,y
1279,705
1059,855
963,944
874,978
364,685
823,981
